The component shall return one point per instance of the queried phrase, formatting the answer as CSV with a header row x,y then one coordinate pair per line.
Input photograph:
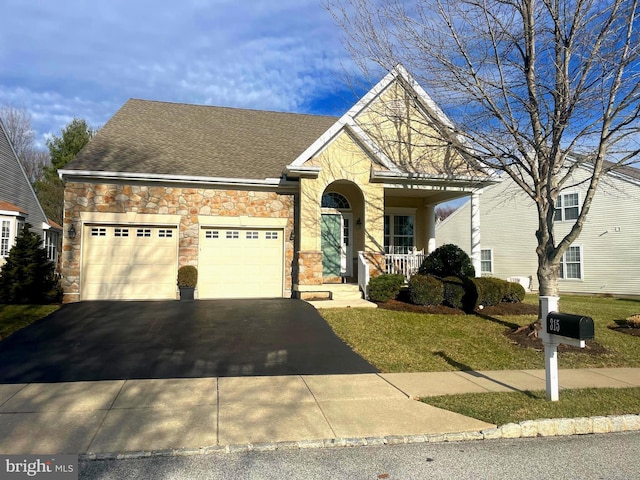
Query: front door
x,y
336,244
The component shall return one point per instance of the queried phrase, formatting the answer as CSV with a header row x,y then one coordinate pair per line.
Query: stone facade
x,y
310,268
189,203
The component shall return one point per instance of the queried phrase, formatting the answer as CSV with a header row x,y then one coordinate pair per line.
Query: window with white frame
x,y
571,263
486,260
399,233
567,207
51,245
5,237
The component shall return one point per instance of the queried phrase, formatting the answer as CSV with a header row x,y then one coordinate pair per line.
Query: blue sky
x,y
78,58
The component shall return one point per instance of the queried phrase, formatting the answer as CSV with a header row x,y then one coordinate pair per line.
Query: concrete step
x,y
345,291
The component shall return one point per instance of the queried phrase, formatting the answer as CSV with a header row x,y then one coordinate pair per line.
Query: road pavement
x,y
611,457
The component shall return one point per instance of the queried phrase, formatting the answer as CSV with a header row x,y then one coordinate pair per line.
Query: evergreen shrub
x,y
426,290
385,287
447,261
28,276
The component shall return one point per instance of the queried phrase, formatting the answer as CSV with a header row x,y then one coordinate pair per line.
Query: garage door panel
x,y
241,263
129,263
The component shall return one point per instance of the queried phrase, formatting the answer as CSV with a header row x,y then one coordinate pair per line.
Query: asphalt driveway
x,y
170,339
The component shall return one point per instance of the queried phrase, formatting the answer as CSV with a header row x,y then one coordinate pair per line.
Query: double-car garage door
x,y
140,262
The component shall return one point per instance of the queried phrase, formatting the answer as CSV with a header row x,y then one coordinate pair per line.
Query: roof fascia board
x,y
24,173
241,182
333,131
371,146
419,178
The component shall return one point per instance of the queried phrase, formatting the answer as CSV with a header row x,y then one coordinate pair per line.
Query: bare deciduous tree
x,y
17,123
534,88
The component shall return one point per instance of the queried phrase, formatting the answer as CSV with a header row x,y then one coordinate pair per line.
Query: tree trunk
x,y
548,273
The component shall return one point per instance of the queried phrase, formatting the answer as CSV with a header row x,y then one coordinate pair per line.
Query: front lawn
x,y
502,408
15,317
416,342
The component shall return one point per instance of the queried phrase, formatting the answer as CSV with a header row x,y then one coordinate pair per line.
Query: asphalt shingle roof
x,y
153,137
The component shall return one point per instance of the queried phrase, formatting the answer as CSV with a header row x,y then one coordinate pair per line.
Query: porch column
x,y
431,228
476,249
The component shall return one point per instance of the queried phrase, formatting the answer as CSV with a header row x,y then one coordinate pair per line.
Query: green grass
x,y
15,317
502,408
412,342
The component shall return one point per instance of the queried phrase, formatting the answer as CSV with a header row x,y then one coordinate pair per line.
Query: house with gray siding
x,y
605,259
19,204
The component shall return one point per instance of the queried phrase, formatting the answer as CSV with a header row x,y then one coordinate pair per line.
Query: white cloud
x,y
85,59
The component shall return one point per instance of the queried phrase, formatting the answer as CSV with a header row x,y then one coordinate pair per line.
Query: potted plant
x,y
187,280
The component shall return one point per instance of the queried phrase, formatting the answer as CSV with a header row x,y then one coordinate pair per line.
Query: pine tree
x,y
28,275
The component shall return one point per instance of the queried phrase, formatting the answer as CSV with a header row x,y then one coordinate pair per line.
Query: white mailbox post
x,y
560,328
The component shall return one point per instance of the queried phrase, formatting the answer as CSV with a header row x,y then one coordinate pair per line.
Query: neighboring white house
x,y
604,259
19,205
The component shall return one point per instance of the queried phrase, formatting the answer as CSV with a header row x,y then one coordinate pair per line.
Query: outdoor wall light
x,y
359,223
72,231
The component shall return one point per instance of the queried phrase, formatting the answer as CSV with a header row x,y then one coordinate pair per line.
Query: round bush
x,y
385,287
515,293
425,290
454,291
187,276
491,290
447,261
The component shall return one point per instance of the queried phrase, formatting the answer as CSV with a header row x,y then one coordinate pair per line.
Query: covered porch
x,y
356,238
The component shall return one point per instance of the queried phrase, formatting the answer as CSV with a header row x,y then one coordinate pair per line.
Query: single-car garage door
x,y
129,262
240,263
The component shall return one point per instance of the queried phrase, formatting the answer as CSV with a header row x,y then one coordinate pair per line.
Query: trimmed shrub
x,y
426,290
187,276
454,292
447,261
515,293
28,276
385,287
491,290
473,291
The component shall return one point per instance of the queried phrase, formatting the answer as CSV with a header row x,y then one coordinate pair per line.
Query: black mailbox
x,y
568,325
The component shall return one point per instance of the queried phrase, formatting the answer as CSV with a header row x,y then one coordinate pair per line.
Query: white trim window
x,y
486,260
5,237
567,207
51,245
571,263
399,233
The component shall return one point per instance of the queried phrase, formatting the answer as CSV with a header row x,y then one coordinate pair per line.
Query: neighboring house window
x,y
486,261
5,238
51,245
571,264
567,207
399,233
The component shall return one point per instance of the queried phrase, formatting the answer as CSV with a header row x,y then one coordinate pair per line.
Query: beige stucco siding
x,y
394,122
610,237
342,161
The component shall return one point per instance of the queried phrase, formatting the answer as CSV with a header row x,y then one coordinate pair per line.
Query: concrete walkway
x,y
160,414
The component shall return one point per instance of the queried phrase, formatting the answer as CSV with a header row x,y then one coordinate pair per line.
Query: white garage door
x,y
240,263
129,263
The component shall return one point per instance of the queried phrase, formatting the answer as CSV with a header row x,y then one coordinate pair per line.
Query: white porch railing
x,y
405,264
363,274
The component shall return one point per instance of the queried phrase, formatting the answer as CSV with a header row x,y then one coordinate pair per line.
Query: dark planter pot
x,y
186,293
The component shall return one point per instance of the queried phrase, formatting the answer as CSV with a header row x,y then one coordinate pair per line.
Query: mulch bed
x,y
521,337
525,339
626,329
501,309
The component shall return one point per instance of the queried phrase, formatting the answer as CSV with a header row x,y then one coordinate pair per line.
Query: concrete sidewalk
x,y
147,415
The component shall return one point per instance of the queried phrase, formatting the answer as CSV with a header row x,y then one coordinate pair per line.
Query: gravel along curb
x,y
530,428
